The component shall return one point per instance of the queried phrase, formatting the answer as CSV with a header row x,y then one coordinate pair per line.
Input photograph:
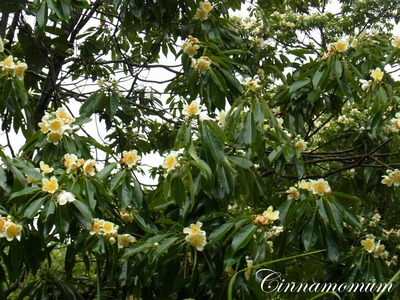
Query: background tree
x,y
278,131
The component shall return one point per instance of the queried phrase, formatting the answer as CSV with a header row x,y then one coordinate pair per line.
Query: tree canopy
x,y
277,124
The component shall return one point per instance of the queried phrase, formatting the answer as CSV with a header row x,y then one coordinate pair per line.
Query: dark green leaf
x,y
243,237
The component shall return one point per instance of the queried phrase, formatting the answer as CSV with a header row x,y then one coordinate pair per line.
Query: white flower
x,y
320,187
365,84
195,236
192,109
301,145
201,64
396,42
124,240
280,122
251,84
131,158
222,117
206,6
354,43
270,214
20,70
44,168
70,162
12,231
368,244
194,229
293,193
65,197
89,167
201,14
170,161
51,185
377,74
342,45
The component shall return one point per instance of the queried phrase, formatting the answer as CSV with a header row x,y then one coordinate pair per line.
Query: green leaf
x,y
62,220
136,249
33,208
105,172
125,194
240,161
48,210
220,232
335,216
62,8
337,68
117,179
112,104
299,84
310,233
69,144
218,80
243,237
248,133
91,104
163,247
137,193
26,191
84,210
41,16
317,77
178,191
212,142
346,89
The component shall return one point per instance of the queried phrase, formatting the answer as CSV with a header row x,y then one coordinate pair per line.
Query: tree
x,y
278,133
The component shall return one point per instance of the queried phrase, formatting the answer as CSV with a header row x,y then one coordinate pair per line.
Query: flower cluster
x,y
171,162
268,216
130,158
109,230
73,163
14,69
201,64
203,10
192,109
51,185
375,248
9,229
317,187
341,45
392,177
191,46
195,236
373,234
55,124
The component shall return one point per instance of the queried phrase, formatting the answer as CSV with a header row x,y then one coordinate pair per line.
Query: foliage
x,y
277,133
